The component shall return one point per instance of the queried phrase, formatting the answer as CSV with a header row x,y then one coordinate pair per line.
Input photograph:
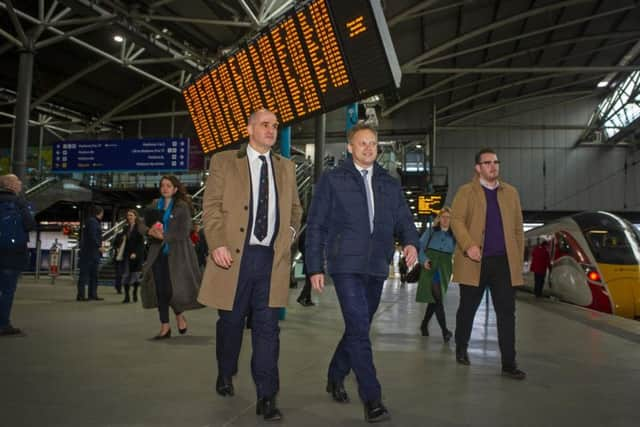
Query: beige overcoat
x,y
225,216
468,216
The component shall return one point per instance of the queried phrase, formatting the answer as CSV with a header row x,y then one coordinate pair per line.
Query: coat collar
x,y
351,167
242,168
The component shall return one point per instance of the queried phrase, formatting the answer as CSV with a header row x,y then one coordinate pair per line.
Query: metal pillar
x,y
318,157
284,137
21,123
433,140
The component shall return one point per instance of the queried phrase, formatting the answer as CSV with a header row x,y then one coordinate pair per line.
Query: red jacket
x,y
540,260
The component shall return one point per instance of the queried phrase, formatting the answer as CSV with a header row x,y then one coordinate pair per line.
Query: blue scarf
x,y
165,221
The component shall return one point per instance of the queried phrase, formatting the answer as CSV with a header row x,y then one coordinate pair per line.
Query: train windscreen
x,y
611,239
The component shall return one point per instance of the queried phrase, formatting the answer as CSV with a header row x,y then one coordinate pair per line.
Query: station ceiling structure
x,y
102,63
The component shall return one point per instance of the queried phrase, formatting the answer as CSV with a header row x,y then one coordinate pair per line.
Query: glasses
x,y
489,162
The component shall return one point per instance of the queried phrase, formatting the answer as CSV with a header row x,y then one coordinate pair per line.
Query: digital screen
x,y
321,55
150,154
430,204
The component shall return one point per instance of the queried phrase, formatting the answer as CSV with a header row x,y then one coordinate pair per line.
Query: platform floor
x,y
92,364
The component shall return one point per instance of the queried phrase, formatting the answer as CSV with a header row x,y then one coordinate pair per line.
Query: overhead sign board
x,y
320,55
150,154
430,204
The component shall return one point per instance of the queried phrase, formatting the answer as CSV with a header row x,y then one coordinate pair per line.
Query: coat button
x,y
241,230
237,251
246,208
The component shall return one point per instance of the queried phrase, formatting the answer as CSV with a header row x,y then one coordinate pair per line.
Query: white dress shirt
x,y
254,167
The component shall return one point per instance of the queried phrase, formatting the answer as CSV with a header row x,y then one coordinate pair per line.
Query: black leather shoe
x,y
268,409
164,336
224,386
374,411
337,391
305,302
95,299
80,298
513,373
10,331
446,336
462,357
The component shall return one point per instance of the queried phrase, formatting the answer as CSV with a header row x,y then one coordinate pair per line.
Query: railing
x,y
40,186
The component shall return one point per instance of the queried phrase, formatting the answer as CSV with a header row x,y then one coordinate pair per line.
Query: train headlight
x,y
593,276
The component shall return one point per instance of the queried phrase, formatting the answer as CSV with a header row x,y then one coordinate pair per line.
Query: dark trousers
x,y
252,297
8,285
495,275
359,297
121,266
88,277
162,279
539,283
436,308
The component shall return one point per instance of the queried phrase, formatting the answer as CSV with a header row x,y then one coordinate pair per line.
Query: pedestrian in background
x,y
16,220
436,249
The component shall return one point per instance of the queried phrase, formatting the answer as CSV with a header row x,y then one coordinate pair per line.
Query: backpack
x,y
13,236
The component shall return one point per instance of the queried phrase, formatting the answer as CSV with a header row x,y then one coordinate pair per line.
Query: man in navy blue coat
x,y
357,211
90,254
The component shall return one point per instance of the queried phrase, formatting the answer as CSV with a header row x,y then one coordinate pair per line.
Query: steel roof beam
x,y
16,23
501,23
81,30
249,12
413,12
80,21
534,70
11,38
511,101
203,21
529,34
99,52
68,82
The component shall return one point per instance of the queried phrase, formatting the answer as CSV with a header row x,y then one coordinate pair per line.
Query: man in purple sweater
x,y
486,220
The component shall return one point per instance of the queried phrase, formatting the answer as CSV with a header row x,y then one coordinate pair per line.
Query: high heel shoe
x,y
182,330
163,337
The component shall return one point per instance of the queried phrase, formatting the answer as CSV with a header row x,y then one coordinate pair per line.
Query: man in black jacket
x,y
16,220
90,254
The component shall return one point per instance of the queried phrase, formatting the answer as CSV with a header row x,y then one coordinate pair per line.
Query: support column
x,y
21,123
320,137
284,137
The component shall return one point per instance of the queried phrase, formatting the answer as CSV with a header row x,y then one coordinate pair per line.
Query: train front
x,y
615,245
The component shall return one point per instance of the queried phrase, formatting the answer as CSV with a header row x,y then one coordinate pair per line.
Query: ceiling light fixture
x,y
118,38
603,83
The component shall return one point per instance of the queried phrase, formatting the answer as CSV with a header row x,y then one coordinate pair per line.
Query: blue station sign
x,y
121,155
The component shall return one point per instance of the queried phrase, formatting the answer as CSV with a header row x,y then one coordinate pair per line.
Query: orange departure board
x,y
318,56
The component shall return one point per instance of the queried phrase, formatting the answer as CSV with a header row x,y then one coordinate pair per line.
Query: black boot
x,y
126,294
462,357
424,327
135,292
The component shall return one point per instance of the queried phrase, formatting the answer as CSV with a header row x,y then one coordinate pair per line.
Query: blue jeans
x,y
359,297
8,284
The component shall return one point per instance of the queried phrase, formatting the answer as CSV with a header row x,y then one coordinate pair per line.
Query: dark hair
x,y
181,194
485,150
358,127
95,210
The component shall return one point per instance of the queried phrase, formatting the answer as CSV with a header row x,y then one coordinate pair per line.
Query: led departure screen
x,y
319,56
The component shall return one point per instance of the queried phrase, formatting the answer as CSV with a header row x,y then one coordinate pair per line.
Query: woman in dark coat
x,y
171,273
132,256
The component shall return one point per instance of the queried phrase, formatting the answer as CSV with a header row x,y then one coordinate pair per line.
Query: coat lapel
x,y
242,171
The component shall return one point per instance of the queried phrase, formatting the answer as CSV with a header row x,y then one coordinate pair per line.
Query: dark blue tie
x,y
262,222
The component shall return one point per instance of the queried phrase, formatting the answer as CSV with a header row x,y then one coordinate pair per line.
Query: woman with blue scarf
x,y
171,269
436,249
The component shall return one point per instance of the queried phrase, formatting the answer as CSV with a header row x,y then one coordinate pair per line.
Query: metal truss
x,y
266,12
417,65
